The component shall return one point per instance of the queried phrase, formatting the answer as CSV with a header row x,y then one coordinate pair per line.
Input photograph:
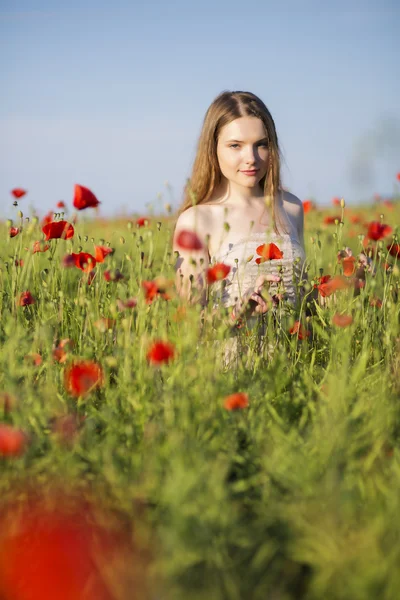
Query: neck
x,y
240,195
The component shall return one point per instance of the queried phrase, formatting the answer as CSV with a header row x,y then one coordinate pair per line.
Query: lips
x,y
252,172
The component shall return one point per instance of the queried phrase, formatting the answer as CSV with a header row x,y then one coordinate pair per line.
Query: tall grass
x,y
296,496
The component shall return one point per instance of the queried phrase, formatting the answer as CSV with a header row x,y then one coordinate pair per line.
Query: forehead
x,y
246,129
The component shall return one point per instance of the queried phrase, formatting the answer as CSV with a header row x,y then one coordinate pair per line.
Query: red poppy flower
x,y
142,221
82,377
13,231
330,220
342,320
355,219
84,261
389,204
40,247
217,272
48,218
398,176
63,549
299,330
394,250
58,229
322,279
60,204
113,276
349,266
336,201
268,252
60,352
157,287
19,262
101,252
377,230
18,192
188,240
308,206
160,352
333,285
26,298
237,401
84,198
12,441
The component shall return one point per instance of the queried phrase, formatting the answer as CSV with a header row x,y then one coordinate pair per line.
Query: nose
x,y
251,156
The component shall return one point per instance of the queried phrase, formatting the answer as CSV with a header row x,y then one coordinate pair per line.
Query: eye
x,y
234,146
264,144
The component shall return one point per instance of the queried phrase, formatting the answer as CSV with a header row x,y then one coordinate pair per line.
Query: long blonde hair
x,y
206,173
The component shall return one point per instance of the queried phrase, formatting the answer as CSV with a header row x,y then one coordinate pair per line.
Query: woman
x,y
235,204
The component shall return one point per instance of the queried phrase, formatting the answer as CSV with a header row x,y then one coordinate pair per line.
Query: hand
x,y
253,300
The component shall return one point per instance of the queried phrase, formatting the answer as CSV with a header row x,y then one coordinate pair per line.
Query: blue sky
x,y
112,95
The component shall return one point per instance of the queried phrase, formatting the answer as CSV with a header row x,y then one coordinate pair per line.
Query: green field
x,y
295,496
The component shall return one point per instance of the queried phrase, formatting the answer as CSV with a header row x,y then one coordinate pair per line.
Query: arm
x,y
191,265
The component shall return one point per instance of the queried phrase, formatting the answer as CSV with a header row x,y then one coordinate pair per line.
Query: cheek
x,y
228,161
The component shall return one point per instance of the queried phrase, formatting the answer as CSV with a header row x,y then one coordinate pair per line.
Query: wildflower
x,y
321,280
84,198
47,218
56,547
188,240
394,250
158,287
217,272
336,201
13,231
60,352
342,320
113,276
84,261
330,220
19,262
40,247
142,221
124,304
101,252
348,262
81,377
34,358
160,352
237,401
60,204
377,230
398,176
375,302
308,206
26,298
12,441
299,330
332,285
268,252
356,219
58,229
18,192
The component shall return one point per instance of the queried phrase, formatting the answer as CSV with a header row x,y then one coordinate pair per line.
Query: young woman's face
x,y
242,151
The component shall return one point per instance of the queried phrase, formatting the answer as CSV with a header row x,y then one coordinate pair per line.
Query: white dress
x,y
241,257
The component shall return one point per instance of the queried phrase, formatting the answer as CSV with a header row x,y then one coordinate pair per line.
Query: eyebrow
x,y
264,139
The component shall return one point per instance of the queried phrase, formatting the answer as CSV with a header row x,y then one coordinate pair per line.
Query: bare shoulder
x,y
293,205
